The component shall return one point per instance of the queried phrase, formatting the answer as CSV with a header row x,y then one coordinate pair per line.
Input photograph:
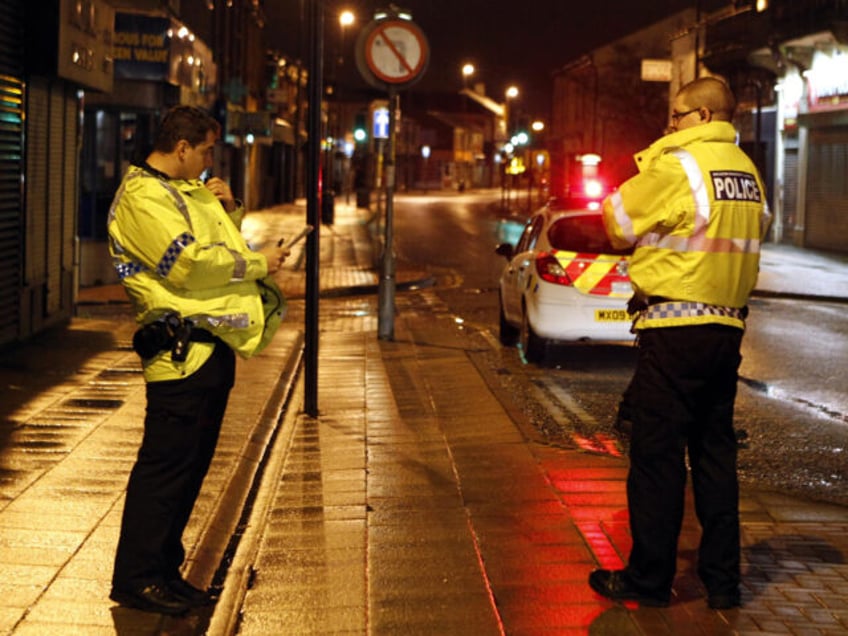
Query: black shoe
x,y
193,596
151,598
724,601
614,585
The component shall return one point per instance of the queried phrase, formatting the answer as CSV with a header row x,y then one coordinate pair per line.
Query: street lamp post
x,y
467,71
540,164
465,166
346,19
425,154
510,95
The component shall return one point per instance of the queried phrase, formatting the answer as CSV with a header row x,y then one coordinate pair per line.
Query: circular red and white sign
x,y
396,51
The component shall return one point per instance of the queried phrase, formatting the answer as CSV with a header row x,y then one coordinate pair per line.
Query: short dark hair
x,y
184,122
711,93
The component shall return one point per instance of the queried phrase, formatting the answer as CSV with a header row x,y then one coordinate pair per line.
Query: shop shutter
x,y
11,165
51,168
826,214
37,184
56,162
790,193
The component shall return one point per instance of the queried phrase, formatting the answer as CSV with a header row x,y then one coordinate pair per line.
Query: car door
x,y
519,269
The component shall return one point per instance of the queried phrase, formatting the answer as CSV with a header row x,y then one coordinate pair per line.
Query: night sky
x,y
508,41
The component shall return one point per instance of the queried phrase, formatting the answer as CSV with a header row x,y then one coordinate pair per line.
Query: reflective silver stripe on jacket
x,y
688,309
699,241
622,219
236,321
239,266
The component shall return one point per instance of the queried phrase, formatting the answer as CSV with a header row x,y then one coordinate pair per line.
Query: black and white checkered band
x,y
173,253
128,269
685,309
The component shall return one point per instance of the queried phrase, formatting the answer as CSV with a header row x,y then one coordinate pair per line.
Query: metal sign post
x,y
313,246
391,53
386,289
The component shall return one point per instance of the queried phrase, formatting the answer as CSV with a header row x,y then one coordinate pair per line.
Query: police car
x,y
563,281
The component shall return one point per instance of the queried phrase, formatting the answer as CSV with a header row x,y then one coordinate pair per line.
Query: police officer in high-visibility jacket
x,y
696,214
200,294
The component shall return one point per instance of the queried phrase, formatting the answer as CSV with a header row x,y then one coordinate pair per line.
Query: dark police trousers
x,y
180,433
682,395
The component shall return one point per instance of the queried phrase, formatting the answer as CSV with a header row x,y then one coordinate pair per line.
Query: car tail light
x,y
549,269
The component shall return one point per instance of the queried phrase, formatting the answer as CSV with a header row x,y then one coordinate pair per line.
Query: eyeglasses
x,y
675,117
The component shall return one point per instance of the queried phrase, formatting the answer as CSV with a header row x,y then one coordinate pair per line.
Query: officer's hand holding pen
x,y
275,256
277,253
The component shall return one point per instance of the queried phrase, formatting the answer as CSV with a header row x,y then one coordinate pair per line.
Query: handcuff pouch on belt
x,y
170,332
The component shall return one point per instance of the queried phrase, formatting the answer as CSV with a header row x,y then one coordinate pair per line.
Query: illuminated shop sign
x,y
141,47
791,91
828,80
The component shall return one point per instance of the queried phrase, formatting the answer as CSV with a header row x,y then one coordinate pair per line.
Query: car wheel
x,y
508,334
531,344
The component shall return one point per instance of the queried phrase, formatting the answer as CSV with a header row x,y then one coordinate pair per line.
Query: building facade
x,y
803,46
83,84
49,52
604,105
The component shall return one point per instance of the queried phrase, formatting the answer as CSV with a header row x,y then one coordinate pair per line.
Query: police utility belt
x,y
169,333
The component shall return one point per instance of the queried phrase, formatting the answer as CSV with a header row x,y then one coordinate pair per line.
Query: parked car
x,y
563,281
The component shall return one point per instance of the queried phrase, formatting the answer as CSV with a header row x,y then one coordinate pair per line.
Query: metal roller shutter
x,y
56,162
790,194
51,169
826,219
38,108
11,165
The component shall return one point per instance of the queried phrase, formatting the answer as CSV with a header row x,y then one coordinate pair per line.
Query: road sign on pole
x,y
392,54
381,123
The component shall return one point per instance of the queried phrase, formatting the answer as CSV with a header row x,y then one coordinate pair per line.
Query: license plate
x,y
611,315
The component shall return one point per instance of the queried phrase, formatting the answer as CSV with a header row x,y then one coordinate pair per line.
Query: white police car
x,y
563,281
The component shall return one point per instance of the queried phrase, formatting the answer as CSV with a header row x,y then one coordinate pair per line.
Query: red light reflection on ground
x,y
598,443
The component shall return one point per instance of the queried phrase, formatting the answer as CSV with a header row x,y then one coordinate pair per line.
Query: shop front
x,y
158,63
823,148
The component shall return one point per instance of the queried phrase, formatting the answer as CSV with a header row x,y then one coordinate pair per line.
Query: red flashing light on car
x,y
593,188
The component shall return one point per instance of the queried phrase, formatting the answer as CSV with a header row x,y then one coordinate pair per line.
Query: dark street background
x,y
508,42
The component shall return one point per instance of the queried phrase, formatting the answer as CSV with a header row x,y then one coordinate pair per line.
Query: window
x,y
530,235
582,234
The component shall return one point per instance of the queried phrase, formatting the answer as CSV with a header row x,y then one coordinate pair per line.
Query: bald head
x,y
710,93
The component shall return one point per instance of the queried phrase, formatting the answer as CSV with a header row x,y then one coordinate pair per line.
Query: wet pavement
x,y
416,502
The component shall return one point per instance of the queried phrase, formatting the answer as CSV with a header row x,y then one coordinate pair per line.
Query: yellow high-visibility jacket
x,y
696,214
177,250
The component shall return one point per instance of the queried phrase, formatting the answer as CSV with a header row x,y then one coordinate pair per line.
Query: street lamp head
x,y
468,69
537,126
512,92
346,18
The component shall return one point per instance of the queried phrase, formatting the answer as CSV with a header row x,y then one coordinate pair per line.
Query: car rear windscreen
x,y
582,234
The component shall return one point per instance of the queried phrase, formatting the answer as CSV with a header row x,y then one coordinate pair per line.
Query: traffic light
x,y
360,129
